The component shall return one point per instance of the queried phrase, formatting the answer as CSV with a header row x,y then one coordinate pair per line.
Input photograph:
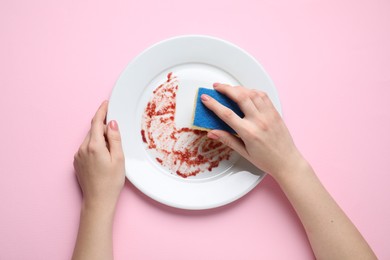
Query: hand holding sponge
x,y
205,119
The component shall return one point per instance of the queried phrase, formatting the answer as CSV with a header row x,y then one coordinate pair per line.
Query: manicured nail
x,y
211,135
204,97
113,125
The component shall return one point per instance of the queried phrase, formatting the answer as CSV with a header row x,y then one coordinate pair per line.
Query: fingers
x,y
250,101
85,143
257,98
97,125
228,139
224,113
268,103
240,95
114,141
83,148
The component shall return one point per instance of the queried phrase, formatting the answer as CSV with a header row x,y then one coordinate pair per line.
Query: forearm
x,y
330,232
94,239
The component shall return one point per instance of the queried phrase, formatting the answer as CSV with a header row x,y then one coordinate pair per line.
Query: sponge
x,y
205,119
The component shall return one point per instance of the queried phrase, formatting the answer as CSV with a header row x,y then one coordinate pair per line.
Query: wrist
x,y
99,206
296,167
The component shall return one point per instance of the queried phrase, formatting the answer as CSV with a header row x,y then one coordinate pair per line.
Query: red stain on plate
x,y
184,151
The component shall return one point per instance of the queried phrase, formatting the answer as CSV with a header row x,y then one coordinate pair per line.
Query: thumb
x,y
228,139
114,140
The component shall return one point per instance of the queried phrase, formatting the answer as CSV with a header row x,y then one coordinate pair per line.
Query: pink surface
x,y
330,61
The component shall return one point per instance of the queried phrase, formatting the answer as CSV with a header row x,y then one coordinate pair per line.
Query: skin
x,y
100,171
264,140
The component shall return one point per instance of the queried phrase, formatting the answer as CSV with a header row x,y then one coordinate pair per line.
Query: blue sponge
x,y
205,119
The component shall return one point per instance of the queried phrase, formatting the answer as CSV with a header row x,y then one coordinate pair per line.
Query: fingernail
x,y
204,97
215,84
113,125
211,135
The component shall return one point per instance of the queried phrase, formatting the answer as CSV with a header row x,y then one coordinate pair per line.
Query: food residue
x,y
184,151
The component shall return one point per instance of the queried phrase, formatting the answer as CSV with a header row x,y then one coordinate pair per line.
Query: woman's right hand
x,y
264,138
266,142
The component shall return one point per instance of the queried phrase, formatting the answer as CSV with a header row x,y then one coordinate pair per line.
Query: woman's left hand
x,y
99,162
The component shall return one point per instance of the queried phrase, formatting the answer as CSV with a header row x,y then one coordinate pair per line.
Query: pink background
x,y
330,61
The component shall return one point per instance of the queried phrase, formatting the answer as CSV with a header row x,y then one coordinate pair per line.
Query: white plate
x,y
196,60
